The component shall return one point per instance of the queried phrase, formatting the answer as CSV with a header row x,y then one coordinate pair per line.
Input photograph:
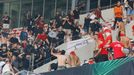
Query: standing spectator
x,y
6,21
60,35
58,19
75,32
42,37
71,17
53,37
118,12
95,26
40,22
98,14
87,23
29,20
102,54
131,9
66,23
126,5
127,9
76,13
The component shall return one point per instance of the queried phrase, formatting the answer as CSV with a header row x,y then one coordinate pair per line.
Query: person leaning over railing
x,y
73,59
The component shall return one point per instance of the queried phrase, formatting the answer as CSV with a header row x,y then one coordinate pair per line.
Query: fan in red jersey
x,y
117,49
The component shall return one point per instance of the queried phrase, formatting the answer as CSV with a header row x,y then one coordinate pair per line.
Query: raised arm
x,y
52,53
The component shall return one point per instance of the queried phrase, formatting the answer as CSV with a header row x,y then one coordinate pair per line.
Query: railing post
x,y
88,6
55,9
44,1
20,13
73,4
98,3
110,3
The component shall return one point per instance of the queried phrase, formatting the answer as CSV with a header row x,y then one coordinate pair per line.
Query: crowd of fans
x,y
36,43
106,48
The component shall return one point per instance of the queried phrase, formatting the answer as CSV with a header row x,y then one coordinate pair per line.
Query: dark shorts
x,y
119,19
101,58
